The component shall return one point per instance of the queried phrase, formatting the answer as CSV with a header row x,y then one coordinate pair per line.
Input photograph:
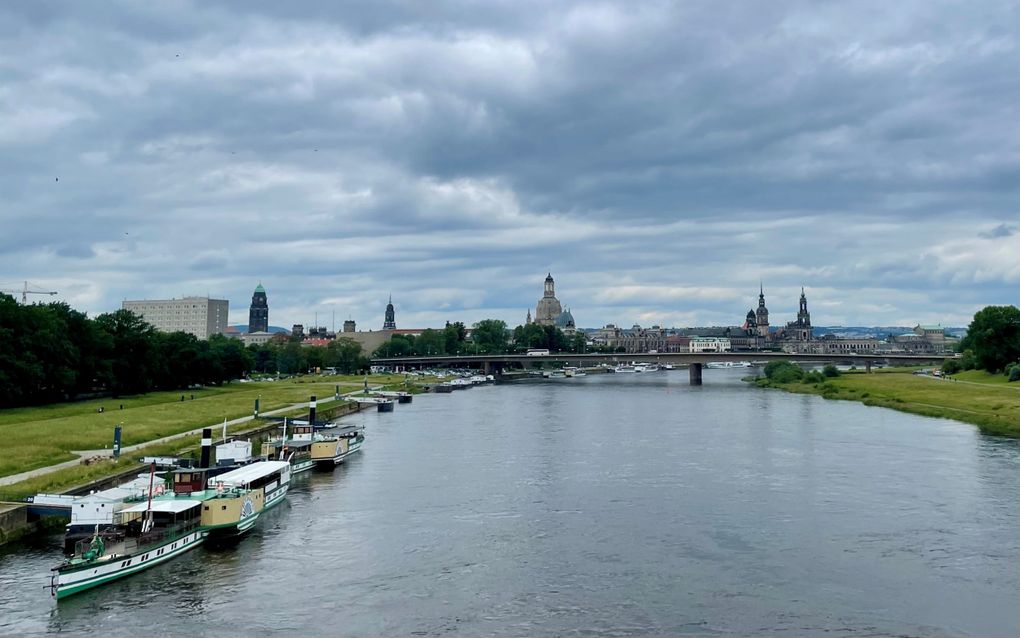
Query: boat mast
x,y
147,524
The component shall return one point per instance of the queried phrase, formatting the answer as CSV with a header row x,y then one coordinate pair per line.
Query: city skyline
x,y
659,160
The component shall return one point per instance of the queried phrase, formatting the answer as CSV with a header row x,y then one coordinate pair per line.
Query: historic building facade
x,y
258,312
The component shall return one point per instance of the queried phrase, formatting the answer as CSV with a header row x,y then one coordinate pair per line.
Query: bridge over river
x,y
494,363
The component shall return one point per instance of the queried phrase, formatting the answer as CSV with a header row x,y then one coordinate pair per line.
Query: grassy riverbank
x,y
78,475
46,435
975,397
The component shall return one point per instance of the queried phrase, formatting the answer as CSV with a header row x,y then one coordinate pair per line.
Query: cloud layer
x,y
659,158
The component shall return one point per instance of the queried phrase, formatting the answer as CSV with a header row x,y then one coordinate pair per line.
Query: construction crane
x,y
25,292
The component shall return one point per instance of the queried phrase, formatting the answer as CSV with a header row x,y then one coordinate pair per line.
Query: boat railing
x,y
160,534
119,541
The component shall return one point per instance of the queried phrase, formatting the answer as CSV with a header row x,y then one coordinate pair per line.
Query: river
x,y
613,505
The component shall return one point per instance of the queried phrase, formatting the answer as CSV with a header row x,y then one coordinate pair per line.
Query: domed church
x,y
548,308
549,312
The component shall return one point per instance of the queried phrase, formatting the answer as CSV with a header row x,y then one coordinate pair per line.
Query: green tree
x,y
180,361
21,372
264,357
490,335
397,346
951,366
577,342
454,335
315,357
430,343
134,353
994,337
345,355
92,344
531,335
290,358
234,358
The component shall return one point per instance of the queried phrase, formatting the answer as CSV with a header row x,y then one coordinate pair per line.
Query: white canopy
x,y
245,474
172,506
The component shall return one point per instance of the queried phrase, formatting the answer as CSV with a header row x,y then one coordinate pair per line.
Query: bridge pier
x,y
695,372
867,366
486,368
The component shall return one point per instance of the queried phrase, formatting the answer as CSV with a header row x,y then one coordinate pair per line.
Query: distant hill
x,y
244,328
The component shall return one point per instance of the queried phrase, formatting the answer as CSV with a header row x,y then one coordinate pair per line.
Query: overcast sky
x,y
659,158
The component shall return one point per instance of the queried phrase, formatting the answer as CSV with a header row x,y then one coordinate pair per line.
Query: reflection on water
x,y
610,505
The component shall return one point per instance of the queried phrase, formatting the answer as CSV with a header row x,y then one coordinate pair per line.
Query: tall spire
x,y
389,321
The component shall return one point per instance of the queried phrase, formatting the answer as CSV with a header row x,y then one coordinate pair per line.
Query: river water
x,y
613,505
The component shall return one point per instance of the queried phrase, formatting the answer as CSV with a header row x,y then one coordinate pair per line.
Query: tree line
x,y
488,336
289,356
52,352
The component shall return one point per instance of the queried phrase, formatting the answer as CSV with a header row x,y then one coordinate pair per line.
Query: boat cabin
x,y
167,515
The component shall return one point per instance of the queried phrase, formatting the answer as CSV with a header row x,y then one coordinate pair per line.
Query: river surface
x,y
614,505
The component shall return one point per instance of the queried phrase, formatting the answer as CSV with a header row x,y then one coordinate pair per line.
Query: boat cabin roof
x,y
174,506
249,473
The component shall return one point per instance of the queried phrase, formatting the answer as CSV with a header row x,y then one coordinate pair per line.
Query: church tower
x,y
258,313
389,322
804,331
762,314
803,316
548,308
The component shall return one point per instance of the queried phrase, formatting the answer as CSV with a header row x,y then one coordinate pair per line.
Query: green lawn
x,y
994,407
980,376
42,436
79,475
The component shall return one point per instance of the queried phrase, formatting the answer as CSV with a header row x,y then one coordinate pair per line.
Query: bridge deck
x,y
662,357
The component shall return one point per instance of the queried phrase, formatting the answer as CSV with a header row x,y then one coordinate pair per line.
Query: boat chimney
x,y
311,412
206,447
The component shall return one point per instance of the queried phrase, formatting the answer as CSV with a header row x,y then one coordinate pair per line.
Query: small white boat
x,y
727,364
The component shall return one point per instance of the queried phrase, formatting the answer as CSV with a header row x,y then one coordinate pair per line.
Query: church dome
x,y
750,315
565,320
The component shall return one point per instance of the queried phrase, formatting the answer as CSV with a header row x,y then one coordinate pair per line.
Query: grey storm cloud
x,y
660,158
